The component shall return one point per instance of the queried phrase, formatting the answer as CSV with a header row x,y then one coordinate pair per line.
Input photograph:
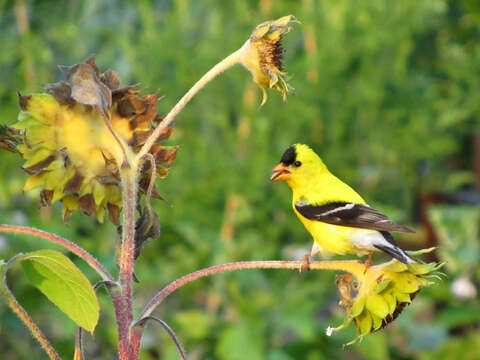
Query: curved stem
x,y
125,161
23,315
74,248
352,266
223,65
141,323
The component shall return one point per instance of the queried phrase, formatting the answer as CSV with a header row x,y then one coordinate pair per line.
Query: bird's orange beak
x,y
280,172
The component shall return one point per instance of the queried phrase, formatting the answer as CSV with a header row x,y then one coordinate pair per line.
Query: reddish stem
x,y
353,266
74,248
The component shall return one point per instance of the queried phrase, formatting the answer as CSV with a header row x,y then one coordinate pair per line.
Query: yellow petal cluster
x,y
262,55
382,292
68,149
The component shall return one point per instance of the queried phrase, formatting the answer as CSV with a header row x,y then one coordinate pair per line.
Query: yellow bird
x,y
335,215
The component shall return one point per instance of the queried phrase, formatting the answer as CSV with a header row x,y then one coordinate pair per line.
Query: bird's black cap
x,y
289,156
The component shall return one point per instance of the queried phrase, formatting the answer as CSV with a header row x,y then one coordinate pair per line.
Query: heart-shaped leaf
x,y
59,279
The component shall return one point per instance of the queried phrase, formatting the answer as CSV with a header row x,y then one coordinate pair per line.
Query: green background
x,y
387,92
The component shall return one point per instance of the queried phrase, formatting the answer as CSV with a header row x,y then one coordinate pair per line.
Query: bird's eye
x,y
297,163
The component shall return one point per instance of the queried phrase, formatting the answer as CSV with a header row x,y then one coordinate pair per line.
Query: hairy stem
x,y
223,65
354,267
23,315
123,299
74,248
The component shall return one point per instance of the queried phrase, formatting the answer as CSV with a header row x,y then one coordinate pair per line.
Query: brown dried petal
x,y
111,79
87,204
114,213
164,155
38,167
23,100
8,138
74,184
91,61
61,91
131,105
120,93
46,197
165,134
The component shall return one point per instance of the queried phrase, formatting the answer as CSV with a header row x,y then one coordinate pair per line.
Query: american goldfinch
x,y
335,215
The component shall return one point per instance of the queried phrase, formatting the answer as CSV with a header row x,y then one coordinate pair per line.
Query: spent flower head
x,y
68,149
262,55
381,292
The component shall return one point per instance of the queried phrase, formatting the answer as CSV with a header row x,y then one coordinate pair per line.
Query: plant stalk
x,y
23,315
352,266
74,248
223,65
123,299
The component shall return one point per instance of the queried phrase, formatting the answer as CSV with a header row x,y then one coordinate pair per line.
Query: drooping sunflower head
x,y
381,293
69,151
263,55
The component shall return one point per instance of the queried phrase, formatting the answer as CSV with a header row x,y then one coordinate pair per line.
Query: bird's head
x,y
298,164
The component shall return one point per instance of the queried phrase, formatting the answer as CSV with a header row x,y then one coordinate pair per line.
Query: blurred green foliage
x,y
388,92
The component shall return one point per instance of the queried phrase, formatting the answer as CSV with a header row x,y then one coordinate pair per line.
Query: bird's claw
x,y
305,264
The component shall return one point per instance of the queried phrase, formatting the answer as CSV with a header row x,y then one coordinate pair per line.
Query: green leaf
x,y
58,278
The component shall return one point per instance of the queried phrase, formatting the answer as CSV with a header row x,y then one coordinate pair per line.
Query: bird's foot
x,y
305,263
368,262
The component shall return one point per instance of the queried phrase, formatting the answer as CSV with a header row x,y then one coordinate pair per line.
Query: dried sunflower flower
x,y
382,292
262,55
69,151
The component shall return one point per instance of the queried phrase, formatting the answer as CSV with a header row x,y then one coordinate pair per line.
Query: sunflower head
x,y
69,152
263,55
374,297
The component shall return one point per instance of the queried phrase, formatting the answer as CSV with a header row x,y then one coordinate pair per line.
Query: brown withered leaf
x,y
87,87
147,226
61,91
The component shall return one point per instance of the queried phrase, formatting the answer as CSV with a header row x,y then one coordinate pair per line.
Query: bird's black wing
x,y
349,214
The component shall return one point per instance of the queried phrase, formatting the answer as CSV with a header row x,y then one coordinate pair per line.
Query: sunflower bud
x,y
382,292
263,54
69,151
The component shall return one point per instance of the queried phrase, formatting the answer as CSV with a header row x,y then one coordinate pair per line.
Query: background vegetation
x,y
388,92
